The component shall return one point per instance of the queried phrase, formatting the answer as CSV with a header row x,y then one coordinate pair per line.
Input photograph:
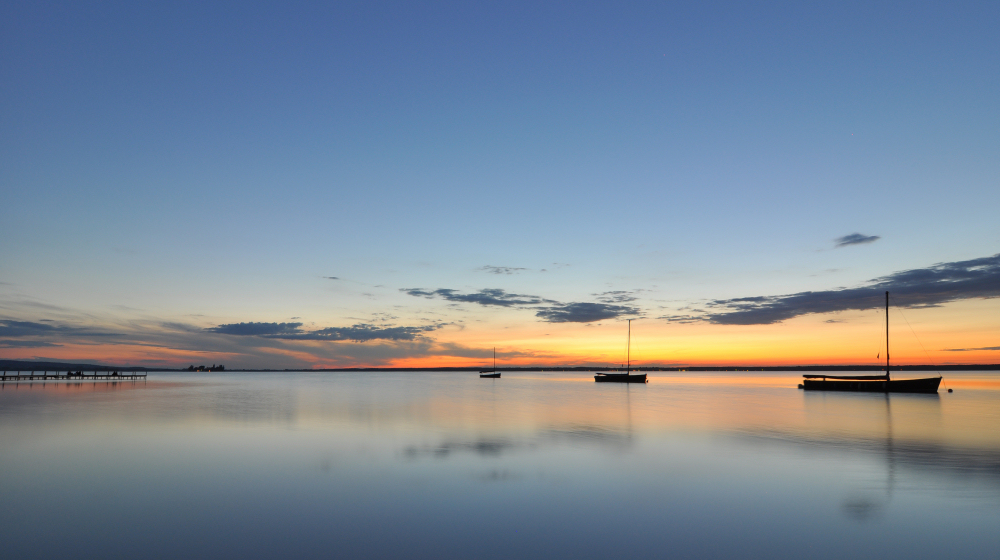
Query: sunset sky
x,y
341,184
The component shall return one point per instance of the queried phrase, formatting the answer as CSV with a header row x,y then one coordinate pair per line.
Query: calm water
x,y
533,465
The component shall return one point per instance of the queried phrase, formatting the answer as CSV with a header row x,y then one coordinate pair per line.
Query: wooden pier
x,y
71,376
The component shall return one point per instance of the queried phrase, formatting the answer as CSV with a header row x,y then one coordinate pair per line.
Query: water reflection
x,y
607,436
489,448
909,430
867,506
71,386
414,465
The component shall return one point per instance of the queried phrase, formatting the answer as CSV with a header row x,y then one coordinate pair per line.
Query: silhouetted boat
x,y
872,383
491,374
628,376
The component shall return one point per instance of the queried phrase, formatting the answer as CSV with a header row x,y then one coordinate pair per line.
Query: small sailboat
x,y
872,383
491,374
628,376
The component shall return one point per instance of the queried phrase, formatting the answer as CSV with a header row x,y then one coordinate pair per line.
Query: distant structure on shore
x,y
213,367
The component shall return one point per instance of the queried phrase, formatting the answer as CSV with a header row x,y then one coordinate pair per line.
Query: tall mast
x,y
494,359
628,351
887,336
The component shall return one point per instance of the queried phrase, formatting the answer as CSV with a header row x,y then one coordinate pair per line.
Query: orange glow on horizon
x,y
959,333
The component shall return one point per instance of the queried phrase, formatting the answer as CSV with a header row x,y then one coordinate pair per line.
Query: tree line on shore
x,y
213,367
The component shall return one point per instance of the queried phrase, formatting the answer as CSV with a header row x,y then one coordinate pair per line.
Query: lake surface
x,y
533,465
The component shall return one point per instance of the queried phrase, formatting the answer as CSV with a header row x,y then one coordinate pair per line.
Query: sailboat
x,y
872,383
628,376
493,374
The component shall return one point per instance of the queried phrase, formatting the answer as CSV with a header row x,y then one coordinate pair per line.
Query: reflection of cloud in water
x,y
863,509
483,447
502,475
495,447
939,459
591,435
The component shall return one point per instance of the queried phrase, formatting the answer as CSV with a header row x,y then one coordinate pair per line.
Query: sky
x,y
413,184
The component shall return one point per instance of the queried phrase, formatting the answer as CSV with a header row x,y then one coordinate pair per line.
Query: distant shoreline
x,y
24,365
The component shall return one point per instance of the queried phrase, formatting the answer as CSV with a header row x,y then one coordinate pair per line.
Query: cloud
x,y
180,327
917,288
156,342
26,344
487,296
584,312
682,319
501,269
331,277
617,296
16,329
363,332
24,328
258,329
547,309
971,349
360,332
480,447
855,239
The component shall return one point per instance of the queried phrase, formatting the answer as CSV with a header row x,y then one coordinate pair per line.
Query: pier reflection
x,y
73,386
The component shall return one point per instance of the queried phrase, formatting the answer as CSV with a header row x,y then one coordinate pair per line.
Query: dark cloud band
x,y
27,344
547,309
276,330
18,329
584,312
501,269
922,287
488,296
361,332
856,239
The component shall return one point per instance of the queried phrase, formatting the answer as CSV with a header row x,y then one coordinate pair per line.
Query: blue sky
x,y
211,163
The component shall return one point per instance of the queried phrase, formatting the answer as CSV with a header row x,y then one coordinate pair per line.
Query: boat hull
x,y
620,378
927,385
490,375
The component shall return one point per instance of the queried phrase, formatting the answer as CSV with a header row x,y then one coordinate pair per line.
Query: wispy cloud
x,y
487,296
152,342
332,277
501,269
17,329
24,328
584,312
682,319
971,349
363,332
616,296
360,332
273,330
546,309
855,239
922,287
27,344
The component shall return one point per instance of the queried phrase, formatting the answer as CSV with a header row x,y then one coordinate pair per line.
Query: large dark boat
x,y
872,383
491,374
628,376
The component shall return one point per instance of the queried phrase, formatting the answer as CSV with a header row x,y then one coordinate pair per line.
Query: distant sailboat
x,y
872,383
492,374
628,376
